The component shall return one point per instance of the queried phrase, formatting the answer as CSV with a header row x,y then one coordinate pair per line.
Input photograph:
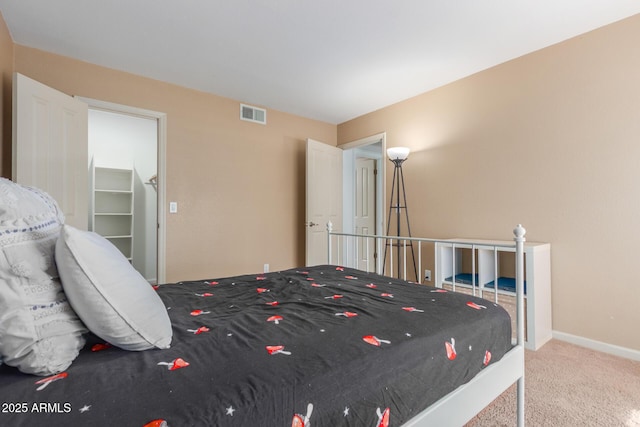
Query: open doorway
x,y
127,144
363,196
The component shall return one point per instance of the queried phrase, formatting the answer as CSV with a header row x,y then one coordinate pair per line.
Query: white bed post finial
x,y
519,233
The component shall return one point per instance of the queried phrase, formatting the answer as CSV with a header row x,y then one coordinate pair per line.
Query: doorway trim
x,y
162,167
368,140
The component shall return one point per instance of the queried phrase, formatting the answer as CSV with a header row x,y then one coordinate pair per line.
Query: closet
x,y
112,206
123,202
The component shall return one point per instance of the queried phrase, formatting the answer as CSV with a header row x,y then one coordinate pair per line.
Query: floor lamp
x,y
398,155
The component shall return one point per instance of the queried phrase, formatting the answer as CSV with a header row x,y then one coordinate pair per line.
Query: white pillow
x,y
39,332
109,295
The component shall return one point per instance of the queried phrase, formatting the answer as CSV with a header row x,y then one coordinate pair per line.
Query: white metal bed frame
x,y
465,402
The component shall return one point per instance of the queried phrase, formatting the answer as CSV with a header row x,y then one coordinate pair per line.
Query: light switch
x,y
173,207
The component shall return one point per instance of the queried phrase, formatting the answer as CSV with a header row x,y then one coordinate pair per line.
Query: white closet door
x,y
50,146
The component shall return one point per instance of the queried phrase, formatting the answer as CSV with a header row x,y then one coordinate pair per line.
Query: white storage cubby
x,y
111,210
480,263
475,265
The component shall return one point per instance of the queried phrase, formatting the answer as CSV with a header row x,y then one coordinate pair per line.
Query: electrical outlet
x,y
266,268
427,275
173,207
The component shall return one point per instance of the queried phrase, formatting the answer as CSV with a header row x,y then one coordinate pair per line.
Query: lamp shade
x,y
398,153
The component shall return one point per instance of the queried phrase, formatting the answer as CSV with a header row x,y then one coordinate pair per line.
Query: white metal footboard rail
x,y
345,251
348,251
440,410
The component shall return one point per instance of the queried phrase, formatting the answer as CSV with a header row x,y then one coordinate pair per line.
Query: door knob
x,y
311,224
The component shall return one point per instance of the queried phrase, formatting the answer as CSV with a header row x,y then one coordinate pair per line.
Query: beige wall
x,y
550,140
239,185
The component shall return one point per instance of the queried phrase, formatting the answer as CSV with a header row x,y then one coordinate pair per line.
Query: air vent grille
x,y
253,114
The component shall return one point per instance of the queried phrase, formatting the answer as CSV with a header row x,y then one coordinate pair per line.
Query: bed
x,y
324,346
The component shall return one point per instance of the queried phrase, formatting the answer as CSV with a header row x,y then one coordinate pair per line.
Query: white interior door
x,y
50,146
323,198
365,211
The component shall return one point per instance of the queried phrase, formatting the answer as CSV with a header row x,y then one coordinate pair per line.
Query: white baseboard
x,y
616,350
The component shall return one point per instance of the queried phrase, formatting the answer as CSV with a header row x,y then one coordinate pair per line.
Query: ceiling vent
x,y
253,114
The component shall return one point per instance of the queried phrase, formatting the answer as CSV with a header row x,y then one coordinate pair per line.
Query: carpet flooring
x,y
568,385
